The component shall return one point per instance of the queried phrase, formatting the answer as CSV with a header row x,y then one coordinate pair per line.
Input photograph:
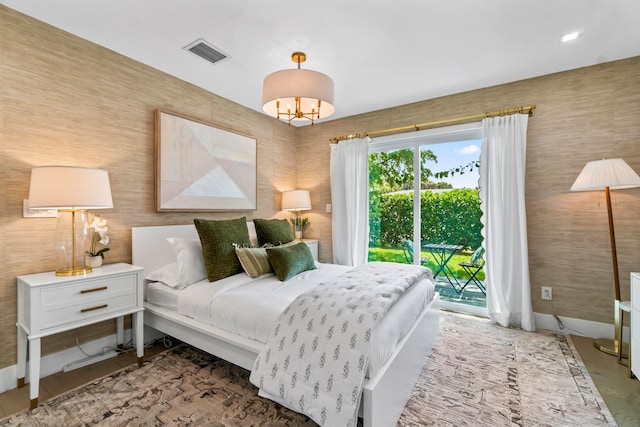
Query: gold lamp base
x,y
73,271
610,346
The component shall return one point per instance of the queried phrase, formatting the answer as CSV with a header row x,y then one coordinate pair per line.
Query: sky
x,y
454,154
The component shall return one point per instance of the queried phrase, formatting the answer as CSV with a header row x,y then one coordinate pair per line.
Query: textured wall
x,y
64,100
582,115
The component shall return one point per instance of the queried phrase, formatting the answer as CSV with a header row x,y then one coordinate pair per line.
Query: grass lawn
x,y
397,255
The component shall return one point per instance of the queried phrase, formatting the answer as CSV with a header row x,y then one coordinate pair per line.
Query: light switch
x,y
37,213
328,207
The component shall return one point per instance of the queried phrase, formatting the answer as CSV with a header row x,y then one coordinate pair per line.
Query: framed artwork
x,y
200,167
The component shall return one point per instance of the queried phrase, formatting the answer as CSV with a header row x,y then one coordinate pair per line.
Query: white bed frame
x,y
384,395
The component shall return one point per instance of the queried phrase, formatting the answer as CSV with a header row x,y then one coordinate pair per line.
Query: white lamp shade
x,y
69,187
296,200
286,85
612,173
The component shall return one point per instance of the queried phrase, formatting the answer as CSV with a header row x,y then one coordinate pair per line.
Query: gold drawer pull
x,y
86,291
84,310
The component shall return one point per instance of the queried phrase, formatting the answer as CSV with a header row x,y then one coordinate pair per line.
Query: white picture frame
x,y
203,168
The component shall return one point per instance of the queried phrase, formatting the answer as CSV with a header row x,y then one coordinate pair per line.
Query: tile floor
x,y
621,393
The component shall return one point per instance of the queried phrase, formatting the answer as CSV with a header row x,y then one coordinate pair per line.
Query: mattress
x,y
248,307
162,295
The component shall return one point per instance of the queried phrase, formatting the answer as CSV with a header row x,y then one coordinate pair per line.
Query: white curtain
x,y
504,218
350,201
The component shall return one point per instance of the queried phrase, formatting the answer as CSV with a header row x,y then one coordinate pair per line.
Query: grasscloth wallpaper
x,y
67,101
64,100
581,115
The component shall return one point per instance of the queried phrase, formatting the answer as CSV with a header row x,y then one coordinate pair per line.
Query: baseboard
x,y
585,328
53,363
570,325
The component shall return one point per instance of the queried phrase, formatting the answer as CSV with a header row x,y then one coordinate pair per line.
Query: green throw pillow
x,y
218,238
290,260
273,231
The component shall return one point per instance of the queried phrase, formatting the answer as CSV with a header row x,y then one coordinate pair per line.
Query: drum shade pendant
x,y
297,95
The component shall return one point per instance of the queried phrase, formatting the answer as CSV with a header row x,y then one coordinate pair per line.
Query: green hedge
x,y
451,217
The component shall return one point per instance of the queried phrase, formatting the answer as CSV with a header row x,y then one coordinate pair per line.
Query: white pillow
x,y
253,237
191,267
167,275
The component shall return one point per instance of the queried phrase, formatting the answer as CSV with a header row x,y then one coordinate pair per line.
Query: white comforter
x,y
248,307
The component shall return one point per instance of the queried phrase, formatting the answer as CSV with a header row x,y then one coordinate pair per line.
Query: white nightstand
x,y
50,304
313,247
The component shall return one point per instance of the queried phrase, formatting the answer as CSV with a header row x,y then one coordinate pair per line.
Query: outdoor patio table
x,y
441,255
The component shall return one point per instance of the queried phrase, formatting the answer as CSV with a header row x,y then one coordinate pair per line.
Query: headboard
x,y
151,250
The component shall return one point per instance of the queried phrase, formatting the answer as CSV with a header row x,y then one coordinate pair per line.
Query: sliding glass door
x,y
425,209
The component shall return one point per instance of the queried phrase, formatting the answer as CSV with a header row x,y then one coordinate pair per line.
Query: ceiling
x,y
379,53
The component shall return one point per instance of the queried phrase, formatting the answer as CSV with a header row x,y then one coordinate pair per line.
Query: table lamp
x,y
296,201
604,175
71,190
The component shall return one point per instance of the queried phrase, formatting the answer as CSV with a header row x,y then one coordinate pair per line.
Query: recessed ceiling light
x,y
568,37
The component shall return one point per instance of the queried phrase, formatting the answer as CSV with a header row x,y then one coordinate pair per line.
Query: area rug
x,y
477,375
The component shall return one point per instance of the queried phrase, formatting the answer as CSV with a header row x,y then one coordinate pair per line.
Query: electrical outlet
x,y
547,293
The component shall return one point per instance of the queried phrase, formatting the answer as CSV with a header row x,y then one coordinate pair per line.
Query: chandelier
x,y
287,93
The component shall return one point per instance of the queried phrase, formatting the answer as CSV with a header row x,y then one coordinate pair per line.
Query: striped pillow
x,y
254,261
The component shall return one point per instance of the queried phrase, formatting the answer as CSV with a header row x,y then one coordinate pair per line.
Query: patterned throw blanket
x,y
316,357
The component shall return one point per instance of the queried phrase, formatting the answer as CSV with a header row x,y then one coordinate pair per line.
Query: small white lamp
x,y
296,200
71,190
601,175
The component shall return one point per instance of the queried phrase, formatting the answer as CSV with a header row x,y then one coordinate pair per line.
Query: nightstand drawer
x,y
75,303
88,310
65,295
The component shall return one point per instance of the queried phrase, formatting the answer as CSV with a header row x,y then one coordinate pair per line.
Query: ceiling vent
x,y
206,51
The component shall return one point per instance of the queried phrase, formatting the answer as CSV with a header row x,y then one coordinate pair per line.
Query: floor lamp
x,y
604,175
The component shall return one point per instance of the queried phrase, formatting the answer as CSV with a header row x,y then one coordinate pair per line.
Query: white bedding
x,y
248,307
159,294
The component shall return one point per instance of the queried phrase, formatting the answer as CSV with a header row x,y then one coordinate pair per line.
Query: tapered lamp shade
x,y
71,190
612,173
69,187
296,200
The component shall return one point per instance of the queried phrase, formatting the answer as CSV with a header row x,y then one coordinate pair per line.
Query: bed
x,y
387,387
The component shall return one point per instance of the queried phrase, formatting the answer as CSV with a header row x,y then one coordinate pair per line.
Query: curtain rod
x,y
528,108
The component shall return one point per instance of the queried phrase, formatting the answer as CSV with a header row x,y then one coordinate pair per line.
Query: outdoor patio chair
x,y
472,268
407,246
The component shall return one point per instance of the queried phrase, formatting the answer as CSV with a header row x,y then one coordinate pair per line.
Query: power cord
x,y
101,352
165,340
128,347
560,324
562,327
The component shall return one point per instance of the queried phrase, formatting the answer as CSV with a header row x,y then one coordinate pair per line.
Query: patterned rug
x,y
478,375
